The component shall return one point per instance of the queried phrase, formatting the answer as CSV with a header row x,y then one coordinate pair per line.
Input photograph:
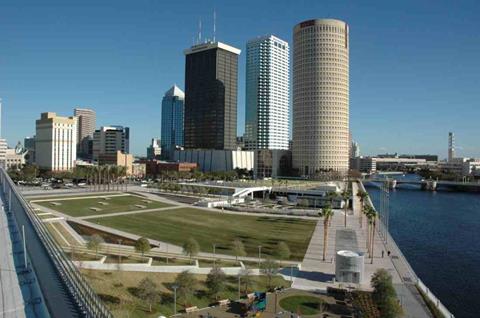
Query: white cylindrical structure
x,y
349,267
320,96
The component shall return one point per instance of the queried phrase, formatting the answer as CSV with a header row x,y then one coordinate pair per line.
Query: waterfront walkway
x,y
317,274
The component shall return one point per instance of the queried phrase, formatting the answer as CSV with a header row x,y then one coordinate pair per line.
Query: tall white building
x,y
56,142
267,94
451,146
320,96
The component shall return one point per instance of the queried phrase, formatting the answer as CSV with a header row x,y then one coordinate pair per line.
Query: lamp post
x,y
175,299
259,255
214,255
239,275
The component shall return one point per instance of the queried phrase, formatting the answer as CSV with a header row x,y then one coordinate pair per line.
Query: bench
x,y
224,302
191,309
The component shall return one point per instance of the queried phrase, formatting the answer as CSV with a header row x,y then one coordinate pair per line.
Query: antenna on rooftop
x,y
214,24
199,31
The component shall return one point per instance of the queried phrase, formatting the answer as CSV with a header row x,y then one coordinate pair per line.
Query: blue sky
x,y
414,65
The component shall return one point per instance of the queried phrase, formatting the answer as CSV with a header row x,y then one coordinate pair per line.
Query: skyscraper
x,y
86,120
173,109
267,94
320,96
154,151
211,77
55,142
451,146
109,139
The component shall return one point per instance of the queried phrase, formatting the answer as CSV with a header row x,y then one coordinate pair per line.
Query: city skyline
x,y
405,85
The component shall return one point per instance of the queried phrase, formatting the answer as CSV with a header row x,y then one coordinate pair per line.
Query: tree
x,y
191,247
94,243
282,251
363,195
147,290
142,245
346,196
238,248
384,294
216,281
186,285
326,214
246,277
371,215
269,268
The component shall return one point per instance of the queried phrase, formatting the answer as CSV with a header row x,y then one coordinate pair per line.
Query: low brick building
x,y
155,167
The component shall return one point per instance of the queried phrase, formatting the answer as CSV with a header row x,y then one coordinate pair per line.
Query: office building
x,y
211,78
173,109
272,163
209,160
3,153
117,158
29,144
109,139
154,151
320,96
451,146
56,142
86,121
354,149
267,94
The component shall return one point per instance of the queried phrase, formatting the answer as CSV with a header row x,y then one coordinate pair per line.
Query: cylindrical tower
x,y
320,96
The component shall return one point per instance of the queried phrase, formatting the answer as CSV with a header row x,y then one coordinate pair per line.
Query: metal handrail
x,y
87,300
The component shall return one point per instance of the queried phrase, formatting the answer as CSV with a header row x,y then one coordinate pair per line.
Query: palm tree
x,y
371,215
363,195
326,214
346,195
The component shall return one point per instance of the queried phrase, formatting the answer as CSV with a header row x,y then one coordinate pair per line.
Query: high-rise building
x,y
211,77
451,146
109,139
267,94
154,151
86,120
29,144
320,96
56,142
3,142
354,149
173,109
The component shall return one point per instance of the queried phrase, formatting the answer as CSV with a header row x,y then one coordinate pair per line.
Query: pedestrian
x,y
383,252
388,253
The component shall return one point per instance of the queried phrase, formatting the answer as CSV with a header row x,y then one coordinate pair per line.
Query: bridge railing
x,y
85,297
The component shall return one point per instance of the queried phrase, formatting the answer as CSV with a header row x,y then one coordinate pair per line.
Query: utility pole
x,y
259,255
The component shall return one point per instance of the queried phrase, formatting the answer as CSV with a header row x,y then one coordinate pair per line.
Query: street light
x,y
175,299
259,255
214,255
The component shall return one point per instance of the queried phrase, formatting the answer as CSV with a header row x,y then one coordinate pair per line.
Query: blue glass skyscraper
x,y
173,108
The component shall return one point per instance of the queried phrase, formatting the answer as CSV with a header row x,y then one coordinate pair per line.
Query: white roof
x,y
175,91
211,45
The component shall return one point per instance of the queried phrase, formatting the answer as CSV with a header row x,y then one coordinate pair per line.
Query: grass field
x,y
118,291
82,206
307,305
178,225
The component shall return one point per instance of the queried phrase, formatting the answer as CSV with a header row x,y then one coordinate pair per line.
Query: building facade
x,y
272,163
267,94
211,78
109,139
3,153
86,121
217,160
29,144
154,151
451,146
173,110
56,142
320,96
117,159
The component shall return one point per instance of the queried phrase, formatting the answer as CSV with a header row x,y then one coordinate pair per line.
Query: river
x,y
439,233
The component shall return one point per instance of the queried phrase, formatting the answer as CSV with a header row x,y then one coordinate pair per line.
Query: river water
x,y
439,233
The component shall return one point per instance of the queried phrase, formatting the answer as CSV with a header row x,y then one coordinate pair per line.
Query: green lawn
x,y
178,225
82,206
306,305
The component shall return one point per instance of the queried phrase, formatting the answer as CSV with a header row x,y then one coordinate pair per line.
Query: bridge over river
x,y
427,184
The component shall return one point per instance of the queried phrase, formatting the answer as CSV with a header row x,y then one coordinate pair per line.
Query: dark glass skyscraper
x,y
211,76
